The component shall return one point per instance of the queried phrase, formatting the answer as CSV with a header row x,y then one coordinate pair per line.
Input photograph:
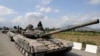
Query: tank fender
x,y
66,43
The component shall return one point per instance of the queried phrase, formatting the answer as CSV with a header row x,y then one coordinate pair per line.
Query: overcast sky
x,y
52,13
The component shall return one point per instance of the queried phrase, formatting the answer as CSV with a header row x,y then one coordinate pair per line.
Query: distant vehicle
x,y
38,42
12,32
4,30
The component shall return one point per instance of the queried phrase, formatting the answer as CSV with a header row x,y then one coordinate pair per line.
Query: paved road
x,y
8,48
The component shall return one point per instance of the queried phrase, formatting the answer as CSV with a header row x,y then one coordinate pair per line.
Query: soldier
x,y
39,26
39,30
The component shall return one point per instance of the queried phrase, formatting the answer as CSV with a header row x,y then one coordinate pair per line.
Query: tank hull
x,y
42,46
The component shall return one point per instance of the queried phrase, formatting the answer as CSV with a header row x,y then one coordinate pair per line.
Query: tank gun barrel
x,y
73,27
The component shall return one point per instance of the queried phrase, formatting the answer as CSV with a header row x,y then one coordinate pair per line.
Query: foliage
x,y
85,37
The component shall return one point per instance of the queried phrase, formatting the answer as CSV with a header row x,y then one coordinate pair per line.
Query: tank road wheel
x,y
23,51
18,47
30,54
26,53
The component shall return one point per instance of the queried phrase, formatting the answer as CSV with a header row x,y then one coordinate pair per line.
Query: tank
x,y
13,31
4,30
38,42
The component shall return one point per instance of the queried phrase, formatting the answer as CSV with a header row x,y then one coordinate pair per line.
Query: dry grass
x,y
86,37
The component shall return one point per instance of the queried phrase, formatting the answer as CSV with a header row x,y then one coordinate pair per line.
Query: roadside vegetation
x,y
85,37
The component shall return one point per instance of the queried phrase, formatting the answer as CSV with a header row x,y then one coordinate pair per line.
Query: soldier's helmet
x,y
30,26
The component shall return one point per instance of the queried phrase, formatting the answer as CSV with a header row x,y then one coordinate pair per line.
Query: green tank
x,y
38,42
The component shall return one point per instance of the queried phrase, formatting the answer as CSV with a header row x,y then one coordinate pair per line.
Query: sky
x,y
52,13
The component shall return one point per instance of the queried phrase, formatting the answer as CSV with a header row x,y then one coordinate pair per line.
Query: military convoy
x,y
38,42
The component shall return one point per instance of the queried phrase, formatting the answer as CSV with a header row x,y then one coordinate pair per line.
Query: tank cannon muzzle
x,y
73,27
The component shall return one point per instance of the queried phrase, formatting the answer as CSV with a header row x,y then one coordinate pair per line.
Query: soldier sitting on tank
x,y
39,30
40,26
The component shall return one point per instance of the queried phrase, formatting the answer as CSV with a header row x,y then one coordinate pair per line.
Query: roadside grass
x,y
83,37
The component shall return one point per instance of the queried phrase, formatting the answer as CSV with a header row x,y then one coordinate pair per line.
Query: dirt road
x,y
7,48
